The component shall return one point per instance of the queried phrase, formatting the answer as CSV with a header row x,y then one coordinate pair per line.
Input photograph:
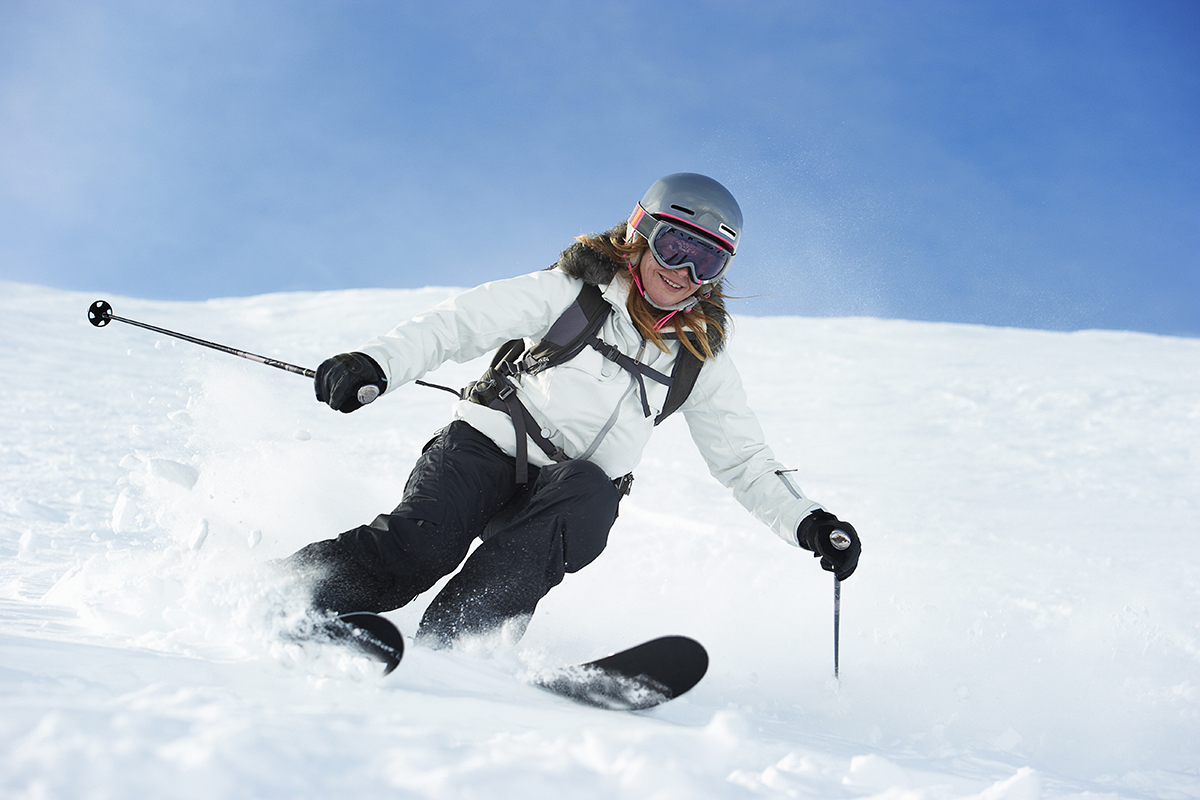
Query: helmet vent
x,y
728,231
687,211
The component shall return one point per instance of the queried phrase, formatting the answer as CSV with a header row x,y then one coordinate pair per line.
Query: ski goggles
x,y
676,247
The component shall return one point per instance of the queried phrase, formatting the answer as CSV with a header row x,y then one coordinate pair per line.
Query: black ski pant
x,y
461,489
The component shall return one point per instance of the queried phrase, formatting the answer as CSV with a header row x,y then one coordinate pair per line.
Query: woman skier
x,y
627,326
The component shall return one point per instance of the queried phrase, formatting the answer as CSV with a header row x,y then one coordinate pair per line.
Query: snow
x,y
1025,622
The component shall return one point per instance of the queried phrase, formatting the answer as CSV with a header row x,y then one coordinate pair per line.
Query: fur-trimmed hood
x,y
594,267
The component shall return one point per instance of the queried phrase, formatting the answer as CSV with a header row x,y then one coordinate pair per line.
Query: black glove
x,y
838,554
341,381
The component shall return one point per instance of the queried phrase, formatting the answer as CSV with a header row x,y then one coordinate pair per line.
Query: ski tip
x,y
376,637
635,679
685,662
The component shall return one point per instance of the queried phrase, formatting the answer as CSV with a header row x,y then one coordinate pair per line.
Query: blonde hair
x,y
692,328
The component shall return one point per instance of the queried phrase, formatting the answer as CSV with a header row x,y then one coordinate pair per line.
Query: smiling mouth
x,y
670,283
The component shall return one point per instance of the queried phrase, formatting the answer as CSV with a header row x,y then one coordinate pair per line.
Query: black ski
x,y
370,634
630,680
641,677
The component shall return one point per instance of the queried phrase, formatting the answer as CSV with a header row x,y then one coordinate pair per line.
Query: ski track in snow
x,y
1025,622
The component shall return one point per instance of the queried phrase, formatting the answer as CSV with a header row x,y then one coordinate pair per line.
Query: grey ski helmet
x,y
698,202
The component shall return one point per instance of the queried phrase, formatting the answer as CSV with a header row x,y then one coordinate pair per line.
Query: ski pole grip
x,y
367,394
839,539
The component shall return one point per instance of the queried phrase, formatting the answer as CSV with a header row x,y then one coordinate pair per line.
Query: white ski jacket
x,y
589,406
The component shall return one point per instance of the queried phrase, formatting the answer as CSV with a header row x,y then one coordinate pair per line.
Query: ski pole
x,y
100,314
837,621
841,541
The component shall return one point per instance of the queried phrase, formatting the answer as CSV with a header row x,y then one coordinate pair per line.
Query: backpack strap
x,y
525,427
575,329
683,378
567,336
635,368
570,333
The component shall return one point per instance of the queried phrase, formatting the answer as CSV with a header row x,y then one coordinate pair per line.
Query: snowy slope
x,y
1025,621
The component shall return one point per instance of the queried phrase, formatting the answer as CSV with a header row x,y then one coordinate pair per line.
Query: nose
x,y
684,275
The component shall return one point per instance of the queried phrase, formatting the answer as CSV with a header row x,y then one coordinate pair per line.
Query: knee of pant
x,y
594,500
583,544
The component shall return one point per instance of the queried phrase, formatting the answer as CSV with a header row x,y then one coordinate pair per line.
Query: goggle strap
x,y
642,222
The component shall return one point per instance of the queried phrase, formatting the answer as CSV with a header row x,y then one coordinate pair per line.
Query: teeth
x,y
672,285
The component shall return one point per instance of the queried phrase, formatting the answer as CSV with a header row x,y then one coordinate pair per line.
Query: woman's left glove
x,y
349,381
833,541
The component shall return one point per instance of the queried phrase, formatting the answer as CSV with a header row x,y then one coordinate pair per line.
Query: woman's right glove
x,y
833,541
349,381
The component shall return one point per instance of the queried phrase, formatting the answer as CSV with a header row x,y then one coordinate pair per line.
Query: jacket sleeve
x,y
731,440
473,323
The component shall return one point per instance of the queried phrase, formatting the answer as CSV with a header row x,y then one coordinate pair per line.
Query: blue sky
x,y
1033,164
